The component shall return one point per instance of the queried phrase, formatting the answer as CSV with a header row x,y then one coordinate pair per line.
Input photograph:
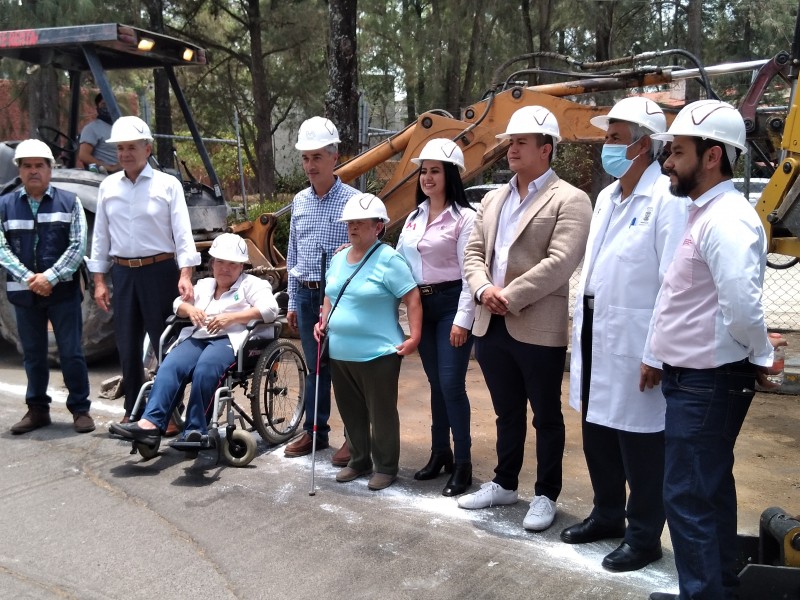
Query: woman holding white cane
x,y
365,285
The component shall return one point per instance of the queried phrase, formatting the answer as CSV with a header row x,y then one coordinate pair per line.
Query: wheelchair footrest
x,y
205,444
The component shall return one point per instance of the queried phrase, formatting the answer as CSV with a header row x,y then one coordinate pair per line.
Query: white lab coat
x,y
649,226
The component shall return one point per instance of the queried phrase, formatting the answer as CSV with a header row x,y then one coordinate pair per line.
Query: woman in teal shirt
x,y
366,342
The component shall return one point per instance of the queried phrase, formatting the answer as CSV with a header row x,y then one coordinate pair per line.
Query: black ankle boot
x,y
459,481
439,459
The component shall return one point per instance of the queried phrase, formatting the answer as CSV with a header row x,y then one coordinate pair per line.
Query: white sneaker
x,y
540,515
490,494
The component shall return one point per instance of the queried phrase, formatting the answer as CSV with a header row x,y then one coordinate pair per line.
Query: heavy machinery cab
x,y
97,49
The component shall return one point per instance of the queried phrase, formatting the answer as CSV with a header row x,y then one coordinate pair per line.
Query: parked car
x,y
476,193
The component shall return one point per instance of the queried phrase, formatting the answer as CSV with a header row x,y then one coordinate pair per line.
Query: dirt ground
x,y
767,453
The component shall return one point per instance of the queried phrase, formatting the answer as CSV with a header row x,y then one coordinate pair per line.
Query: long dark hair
x,y
453,189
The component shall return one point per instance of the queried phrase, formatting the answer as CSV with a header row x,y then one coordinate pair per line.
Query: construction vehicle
x,y
95,50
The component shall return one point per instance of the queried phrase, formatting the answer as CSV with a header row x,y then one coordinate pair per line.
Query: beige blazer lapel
x,y
539,201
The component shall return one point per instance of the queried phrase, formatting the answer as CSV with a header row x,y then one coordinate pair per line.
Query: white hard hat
x,y
316,133
33,149
129,129
364,206
532,119
229,246
636,109
711,120
443,150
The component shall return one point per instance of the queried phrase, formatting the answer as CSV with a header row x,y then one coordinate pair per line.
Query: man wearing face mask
x,y
94,149
635,229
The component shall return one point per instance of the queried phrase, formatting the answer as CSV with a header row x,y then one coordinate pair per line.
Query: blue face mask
x,y
614,161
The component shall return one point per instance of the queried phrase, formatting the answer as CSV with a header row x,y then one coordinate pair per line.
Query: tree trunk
x,y
605,16
43,99
694,32
341,102
262,101
164,147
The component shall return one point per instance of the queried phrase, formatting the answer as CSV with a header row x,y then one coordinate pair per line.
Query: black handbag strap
x,y
349,279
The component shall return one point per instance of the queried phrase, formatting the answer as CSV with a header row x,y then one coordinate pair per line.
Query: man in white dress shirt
x,y
708,331
143,236
636,226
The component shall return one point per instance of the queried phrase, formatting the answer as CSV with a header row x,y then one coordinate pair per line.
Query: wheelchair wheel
x,y
279,384
240,449
147,452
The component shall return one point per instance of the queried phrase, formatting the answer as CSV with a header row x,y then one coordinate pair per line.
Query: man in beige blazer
x,y
529,237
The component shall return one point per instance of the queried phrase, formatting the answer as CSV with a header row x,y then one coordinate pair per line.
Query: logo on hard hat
x,y
449,149
708,114
368,198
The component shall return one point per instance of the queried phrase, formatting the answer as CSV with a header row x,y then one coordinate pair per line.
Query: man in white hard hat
x,y
143,237
42,243
315,228
528,238
635,229
708,332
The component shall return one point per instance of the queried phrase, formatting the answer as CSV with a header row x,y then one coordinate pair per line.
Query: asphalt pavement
x,y
84,519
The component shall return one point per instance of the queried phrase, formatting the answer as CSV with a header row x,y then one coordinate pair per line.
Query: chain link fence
x,y
781,297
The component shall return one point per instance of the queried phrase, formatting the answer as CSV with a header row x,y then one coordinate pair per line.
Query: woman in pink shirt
x,y
433,241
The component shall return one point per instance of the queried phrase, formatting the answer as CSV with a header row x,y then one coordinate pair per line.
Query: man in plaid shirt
x,y
42,243
315,228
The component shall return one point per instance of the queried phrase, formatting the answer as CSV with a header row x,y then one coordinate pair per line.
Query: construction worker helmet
x,y
33,149
635,109
364,206
532,119
443,150
129,129
710,120
229,246
316,133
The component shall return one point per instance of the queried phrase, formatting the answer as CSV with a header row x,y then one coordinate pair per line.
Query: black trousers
x,y
518,374
142,300
615,457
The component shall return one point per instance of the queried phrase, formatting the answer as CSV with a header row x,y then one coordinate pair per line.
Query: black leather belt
x,y
588,302
310,285
435,288
135,263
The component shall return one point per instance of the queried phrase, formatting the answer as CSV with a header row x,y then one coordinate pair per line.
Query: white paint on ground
x,y
59,395
584,558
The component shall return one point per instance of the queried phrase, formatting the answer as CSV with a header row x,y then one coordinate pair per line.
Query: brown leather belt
x,y
142,262
310,285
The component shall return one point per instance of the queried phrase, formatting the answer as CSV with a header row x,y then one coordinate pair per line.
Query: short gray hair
x,y
638,132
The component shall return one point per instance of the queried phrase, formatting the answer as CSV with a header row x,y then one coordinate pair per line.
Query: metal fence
x,y
781,297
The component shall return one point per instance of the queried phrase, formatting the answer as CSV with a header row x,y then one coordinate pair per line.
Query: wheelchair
x,y
272,373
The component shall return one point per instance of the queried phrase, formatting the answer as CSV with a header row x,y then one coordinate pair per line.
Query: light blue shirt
x,y
364,326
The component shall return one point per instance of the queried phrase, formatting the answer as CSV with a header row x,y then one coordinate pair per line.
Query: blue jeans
x,y
203,362
307,303
446,368
705,412
67,322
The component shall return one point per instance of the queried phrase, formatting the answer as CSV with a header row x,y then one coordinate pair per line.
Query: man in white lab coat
x,y
635,229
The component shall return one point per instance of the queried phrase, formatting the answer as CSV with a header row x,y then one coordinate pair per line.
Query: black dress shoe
x,y
628,558
459,481
663,596
591,530
132,431
439,459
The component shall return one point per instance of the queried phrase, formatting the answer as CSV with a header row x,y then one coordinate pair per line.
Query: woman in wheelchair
x,y
223,304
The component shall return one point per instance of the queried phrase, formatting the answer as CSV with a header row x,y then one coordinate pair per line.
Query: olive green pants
x,y
366,394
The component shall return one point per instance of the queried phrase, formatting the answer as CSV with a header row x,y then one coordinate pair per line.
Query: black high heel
x,y
459,481
439,459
